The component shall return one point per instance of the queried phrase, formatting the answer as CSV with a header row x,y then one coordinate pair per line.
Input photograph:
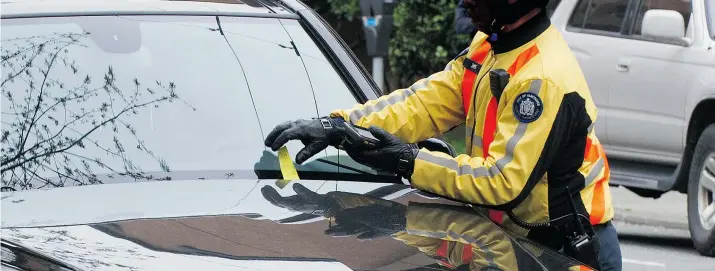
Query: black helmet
x,y
501,12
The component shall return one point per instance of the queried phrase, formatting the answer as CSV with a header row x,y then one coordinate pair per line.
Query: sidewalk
x,y
669,211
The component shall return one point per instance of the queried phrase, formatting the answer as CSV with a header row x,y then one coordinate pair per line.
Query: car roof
x,y
42,8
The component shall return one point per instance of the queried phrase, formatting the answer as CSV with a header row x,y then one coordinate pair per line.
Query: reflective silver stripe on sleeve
x,y
534,88
498,167
382,104
595,170
453,165
438,235
590,127
477,141
489,256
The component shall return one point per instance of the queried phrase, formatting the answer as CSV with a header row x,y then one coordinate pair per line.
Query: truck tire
x,y
701,194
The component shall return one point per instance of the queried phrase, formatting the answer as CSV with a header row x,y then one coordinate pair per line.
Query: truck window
x,y
600,15
710,7
551,7
683,7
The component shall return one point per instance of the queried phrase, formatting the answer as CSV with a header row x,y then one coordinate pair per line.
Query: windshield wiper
x,y
344,166
331,176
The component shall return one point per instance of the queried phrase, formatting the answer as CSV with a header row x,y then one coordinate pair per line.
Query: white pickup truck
x,y
650,65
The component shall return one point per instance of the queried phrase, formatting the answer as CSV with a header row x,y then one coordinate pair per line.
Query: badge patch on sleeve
x,y
528,107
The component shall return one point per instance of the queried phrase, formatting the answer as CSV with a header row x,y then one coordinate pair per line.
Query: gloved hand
x,y
392,155
316,135
305,201
370,221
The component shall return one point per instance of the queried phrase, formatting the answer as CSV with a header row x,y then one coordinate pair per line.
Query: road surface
x,y
658,248
654,233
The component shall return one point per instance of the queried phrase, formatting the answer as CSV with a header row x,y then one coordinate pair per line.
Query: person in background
x,y
462,21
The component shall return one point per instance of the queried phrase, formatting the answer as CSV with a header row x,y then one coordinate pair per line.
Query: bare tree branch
x,y
81,138
38,143
39,99
12,76
34,175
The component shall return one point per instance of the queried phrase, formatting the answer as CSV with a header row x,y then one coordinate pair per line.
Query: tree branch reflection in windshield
x,y
55,116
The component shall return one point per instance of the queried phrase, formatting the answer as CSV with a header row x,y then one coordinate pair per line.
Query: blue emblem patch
x,y
528,107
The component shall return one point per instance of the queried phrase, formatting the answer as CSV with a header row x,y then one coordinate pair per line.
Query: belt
x,y
602,225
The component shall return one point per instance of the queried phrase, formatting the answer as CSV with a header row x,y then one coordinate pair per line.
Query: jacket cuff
x,y
342,114
409,167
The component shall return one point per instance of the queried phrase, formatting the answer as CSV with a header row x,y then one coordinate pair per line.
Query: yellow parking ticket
x,y
287,168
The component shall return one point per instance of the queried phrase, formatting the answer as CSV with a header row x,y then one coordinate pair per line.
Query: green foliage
x,y
456,138
424,39
341,9
423,42
345,9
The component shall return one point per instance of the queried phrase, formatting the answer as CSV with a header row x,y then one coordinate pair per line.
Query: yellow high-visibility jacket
x,y
460,238
526,144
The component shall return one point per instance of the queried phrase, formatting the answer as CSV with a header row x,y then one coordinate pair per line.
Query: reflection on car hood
x,y
253,225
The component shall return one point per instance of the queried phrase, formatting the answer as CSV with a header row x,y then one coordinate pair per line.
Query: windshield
x,y
710,7
99,99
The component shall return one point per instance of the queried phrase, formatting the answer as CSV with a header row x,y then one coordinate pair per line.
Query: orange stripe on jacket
x,y
490,126
442,252
522,59
598,203
478,56
467,254
490,122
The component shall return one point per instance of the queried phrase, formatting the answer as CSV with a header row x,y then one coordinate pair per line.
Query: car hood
x,y
245,224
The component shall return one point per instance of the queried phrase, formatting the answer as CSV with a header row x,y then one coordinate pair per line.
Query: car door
x,y
647,97
592,29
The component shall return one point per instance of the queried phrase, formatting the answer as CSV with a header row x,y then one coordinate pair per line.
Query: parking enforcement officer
x,y
533,157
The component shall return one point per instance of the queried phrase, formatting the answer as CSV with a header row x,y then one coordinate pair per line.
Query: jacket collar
x,y
521,35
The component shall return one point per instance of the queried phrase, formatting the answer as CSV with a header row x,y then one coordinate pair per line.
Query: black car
x,y
132,139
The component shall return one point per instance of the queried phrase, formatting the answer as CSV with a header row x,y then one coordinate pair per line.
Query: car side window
x,y
683,7
600,15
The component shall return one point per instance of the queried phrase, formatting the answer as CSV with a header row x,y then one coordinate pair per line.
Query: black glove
x,y
370,221
305,201
392,155
316,135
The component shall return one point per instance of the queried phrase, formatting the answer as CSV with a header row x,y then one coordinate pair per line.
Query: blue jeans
x,y
609,253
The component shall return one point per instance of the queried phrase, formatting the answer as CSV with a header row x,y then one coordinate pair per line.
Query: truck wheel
x,y
701,194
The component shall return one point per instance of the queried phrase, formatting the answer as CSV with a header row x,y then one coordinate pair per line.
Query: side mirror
x,y
664,25
434,144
